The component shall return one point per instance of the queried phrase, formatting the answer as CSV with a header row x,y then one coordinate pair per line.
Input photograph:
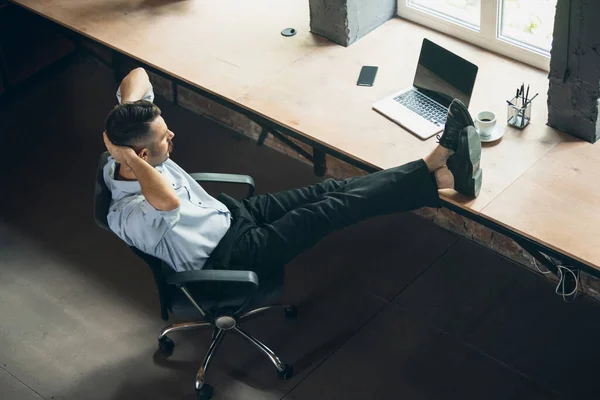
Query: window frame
x,y
487,37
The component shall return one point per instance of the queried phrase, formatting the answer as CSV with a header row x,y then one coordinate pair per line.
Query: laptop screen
x,y
444,76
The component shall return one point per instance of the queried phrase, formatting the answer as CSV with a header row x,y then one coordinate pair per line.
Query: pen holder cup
x,y
518,114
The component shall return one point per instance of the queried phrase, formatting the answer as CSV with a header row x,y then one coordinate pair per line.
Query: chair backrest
x,y
160,271
102,195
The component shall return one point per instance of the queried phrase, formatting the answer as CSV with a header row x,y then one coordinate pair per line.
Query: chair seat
x,y
269,291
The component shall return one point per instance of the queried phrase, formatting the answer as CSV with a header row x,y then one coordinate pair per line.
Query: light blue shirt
x,y
184,237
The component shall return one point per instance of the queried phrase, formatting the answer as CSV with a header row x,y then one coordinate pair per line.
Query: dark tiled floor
x,y
394,357
391,308
542,337
12,388
458,289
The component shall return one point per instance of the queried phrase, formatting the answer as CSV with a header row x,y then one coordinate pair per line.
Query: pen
x,y
523,93
530,100
527,94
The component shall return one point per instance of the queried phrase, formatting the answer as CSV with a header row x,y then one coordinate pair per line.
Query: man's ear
x,y
144,154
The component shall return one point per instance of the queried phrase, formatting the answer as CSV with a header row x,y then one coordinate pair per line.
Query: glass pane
x,y
529,21
465,12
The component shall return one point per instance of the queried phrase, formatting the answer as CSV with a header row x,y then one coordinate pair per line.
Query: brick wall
x,y
574,90
346,21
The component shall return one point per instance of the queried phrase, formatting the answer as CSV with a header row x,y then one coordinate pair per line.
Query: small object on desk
x,y
288,32
367,76
527,94
530,100
495,134
488,127
485,121
523,93
519,112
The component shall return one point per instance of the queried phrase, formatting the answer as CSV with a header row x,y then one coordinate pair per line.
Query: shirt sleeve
x,y
149,96
139,224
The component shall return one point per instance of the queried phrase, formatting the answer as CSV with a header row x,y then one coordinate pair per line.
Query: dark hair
x,y
128,124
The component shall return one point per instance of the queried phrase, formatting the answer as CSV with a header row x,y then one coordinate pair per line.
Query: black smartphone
x,y
367,76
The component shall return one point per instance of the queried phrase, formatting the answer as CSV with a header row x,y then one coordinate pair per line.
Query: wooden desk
x,y
318,97
558,201
225,47
307,86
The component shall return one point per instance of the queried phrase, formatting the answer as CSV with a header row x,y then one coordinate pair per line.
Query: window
x,y
528,22
520,29
463,12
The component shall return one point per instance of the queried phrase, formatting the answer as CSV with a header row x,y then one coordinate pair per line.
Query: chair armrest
x,y
213,275
226,178
218,287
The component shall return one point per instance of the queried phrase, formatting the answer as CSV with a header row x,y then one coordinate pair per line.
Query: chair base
x,y
290,311
184,326
203,390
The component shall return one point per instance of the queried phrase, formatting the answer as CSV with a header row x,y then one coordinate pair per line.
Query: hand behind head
x,y
119,153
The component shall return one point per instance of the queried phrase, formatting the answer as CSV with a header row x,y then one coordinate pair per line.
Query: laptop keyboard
x,y
423,106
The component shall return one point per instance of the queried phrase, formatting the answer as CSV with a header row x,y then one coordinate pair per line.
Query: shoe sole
x,y
475,158
474,143
470,184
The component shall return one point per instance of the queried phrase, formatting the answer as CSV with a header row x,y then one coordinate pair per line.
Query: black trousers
x,y
270,230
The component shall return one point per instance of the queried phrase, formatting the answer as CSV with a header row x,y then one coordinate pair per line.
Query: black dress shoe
x,y
458,118
464,163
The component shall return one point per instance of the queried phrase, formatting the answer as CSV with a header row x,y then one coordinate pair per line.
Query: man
x,y
158,208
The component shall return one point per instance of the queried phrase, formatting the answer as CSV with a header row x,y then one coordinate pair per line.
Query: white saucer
x,y
496,134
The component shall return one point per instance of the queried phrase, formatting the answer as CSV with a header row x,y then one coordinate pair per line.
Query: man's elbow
x,y
171,204
136,76
166,203
139,73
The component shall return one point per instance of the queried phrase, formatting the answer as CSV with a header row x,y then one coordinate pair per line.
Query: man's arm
x,y
135,85
157,191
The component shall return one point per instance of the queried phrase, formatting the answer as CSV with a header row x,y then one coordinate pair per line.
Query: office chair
x,y
220,299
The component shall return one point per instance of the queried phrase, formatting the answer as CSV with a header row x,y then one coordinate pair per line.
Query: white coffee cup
x,y
485,122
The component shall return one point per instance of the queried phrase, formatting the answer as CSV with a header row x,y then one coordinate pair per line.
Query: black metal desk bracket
x,y
317,157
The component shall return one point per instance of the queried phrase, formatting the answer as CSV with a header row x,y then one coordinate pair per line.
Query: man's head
x,y
139,125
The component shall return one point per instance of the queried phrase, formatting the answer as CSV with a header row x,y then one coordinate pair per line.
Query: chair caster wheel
x,y
166,345
287,373
205,392
291,312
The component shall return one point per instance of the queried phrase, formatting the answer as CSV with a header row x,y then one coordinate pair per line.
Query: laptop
x,y
441,77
